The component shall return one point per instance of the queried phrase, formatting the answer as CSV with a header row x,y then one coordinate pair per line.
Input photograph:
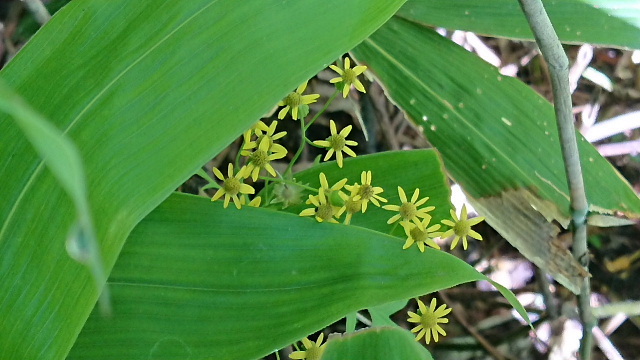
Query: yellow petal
x,y
247,189
217,195
358,85
332,126
218,174
308,212
403,196
346,131
336,69
359,69
283,112
349,151
302,87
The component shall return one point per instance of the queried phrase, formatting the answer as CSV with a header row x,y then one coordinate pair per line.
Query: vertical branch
x,y
39,11
555,56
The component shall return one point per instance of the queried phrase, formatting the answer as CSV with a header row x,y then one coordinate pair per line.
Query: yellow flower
x,y
421,237
262,131
254,203
461,228
313,351
337,143
232,186
409,210
429,321
261,157
366,192
351,205
295,100
348,77
323,210
329,191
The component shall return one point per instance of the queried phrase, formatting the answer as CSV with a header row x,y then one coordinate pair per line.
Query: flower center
x,y
325,212
408,210
293,99
461,228
337,142
418,235
428,320
259,158
231,186
349,76
313,353
366,191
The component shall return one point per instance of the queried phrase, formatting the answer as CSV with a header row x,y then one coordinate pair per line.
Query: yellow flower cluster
x,y
260,149
331,202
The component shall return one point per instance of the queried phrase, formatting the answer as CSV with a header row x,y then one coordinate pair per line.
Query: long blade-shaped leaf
x,y
601,22
204,282
498,139
148,90
63,160
383,343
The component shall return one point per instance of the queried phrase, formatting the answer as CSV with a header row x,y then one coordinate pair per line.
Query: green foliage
x,y
237,284
149,90
381,343
498,138
599,22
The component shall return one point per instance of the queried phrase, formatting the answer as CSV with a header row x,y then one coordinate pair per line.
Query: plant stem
x,y
39,11
552,51
326,106
211,183
303,130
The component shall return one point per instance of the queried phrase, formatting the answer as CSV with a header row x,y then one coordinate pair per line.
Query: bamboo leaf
x,y
200,281
63,160
498,139
148,91
380,343
599,22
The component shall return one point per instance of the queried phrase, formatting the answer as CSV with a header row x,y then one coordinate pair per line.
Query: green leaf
x,y
380,315
211,283
599,22
414,169
498,139
381,343
148,91
63,160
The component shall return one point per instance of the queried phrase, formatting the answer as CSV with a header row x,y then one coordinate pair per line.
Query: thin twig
x,y
556,58
39,11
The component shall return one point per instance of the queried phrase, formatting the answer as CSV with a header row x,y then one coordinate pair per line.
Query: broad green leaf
x,y
498,139
63,160
381,343
600,22
148,90
197,280
415,169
